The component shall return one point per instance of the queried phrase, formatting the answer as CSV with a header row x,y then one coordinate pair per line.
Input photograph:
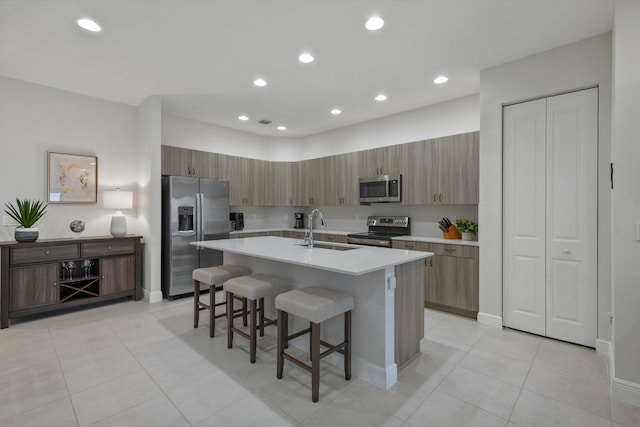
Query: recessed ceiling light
x,y
243,118
440,79
335,112
89,24
306,58
282,128
381,97
260,82
374,23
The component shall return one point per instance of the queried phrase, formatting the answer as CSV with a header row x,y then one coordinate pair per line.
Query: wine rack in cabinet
x,y
51,274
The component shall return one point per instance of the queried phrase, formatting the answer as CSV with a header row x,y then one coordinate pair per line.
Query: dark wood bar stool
x,y
315,305
254,288
214,277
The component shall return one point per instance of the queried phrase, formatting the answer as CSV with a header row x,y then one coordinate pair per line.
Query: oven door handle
x,y
369,242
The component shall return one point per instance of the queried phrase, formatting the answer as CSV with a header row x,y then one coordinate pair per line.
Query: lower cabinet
x,y
117,275
43,276
33,286
451,276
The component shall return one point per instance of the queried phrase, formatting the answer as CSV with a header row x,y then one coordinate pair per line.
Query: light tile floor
x,y
134,364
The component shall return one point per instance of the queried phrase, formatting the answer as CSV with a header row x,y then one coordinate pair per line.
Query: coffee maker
x,y
237,220
299,217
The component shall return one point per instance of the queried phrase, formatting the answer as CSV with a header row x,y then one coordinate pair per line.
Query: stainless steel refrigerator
x,y
192,209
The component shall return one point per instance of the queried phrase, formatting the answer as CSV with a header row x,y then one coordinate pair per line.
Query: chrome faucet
x,y
308,238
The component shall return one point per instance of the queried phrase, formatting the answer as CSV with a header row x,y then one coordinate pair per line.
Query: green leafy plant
x,y
27,212
467,226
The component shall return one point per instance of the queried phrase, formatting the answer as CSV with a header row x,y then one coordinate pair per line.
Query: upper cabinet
x,y
442,170
343,173
381,161
436,171
185,162
280,187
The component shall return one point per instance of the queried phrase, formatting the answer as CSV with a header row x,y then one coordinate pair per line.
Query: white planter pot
x,y
468,236
26,234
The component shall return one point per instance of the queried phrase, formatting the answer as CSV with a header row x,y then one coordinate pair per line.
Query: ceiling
x,y
201,56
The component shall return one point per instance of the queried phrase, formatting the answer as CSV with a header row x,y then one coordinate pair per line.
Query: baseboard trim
x,y
152,297
490,320
603,348
625,391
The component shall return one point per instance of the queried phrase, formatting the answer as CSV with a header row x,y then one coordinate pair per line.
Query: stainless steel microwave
x,y
381,189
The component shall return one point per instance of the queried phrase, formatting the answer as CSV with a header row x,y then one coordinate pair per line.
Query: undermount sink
x,y
329,246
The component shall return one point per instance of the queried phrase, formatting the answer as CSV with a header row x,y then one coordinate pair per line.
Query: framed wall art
x,y
73,178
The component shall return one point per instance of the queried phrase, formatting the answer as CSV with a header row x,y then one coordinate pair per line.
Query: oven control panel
x,y
388,221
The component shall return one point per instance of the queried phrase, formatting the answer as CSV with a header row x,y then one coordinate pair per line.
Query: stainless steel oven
x,y
381,231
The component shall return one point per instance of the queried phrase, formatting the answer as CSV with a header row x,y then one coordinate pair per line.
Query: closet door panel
x,y
572,204
524,216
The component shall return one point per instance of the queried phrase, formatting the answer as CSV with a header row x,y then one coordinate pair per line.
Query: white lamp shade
x,y
117,199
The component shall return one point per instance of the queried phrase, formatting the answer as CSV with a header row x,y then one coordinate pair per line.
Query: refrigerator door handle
x,y
198,218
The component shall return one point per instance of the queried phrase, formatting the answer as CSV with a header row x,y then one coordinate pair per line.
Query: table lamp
x,y
118,200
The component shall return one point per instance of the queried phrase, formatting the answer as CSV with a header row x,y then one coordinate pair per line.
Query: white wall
x,y
626,201
578,65
186,133
150,195
35,119
447,118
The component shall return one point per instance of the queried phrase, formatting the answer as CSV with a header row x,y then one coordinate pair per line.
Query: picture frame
x,y
72,178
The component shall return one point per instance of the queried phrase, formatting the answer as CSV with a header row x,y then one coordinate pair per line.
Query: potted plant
x,y
468,228
26,213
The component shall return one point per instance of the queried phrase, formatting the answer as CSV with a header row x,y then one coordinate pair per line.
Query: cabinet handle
x,y
449,250
108,248
55,284
409,246
440,197
102,277
435,199
47,252
193,170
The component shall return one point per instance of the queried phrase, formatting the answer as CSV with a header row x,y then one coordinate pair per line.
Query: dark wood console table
x,y
56,273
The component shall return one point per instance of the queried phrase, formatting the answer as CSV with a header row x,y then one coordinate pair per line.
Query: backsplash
x,y
424,219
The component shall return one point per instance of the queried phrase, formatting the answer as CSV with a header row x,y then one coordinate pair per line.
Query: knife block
x,y
453,233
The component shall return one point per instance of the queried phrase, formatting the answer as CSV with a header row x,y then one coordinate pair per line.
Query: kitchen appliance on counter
x,y
381,189
192,209
381,230
299,220
237,220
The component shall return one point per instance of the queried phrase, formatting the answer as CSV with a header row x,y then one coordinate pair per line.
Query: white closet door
x,y
524,216
550,216
572,229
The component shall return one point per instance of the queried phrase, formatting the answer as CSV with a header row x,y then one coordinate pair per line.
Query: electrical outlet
x,y
7,220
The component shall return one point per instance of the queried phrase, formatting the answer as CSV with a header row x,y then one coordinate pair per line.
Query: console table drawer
x,y
44,254
98,249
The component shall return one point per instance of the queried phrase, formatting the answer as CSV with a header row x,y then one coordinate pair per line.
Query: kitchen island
x,y
386,284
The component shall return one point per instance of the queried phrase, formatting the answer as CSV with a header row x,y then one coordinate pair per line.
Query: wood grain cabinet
x,y
342,186
442,170
185,162
52,274
381,161
451,276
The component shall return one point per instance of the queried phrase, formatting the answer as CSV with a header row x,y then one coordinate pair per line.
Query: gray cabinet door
x,y
117,275
33,286
458,168
175,161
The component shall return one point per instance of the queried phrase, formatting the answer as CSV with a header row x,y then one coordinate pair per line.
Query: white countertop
x,y
410,238
438,240
364,259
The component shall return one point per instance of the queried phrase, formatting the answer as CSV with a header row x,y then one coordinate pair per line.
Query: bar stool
x,y
214,277
253,288
315,305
